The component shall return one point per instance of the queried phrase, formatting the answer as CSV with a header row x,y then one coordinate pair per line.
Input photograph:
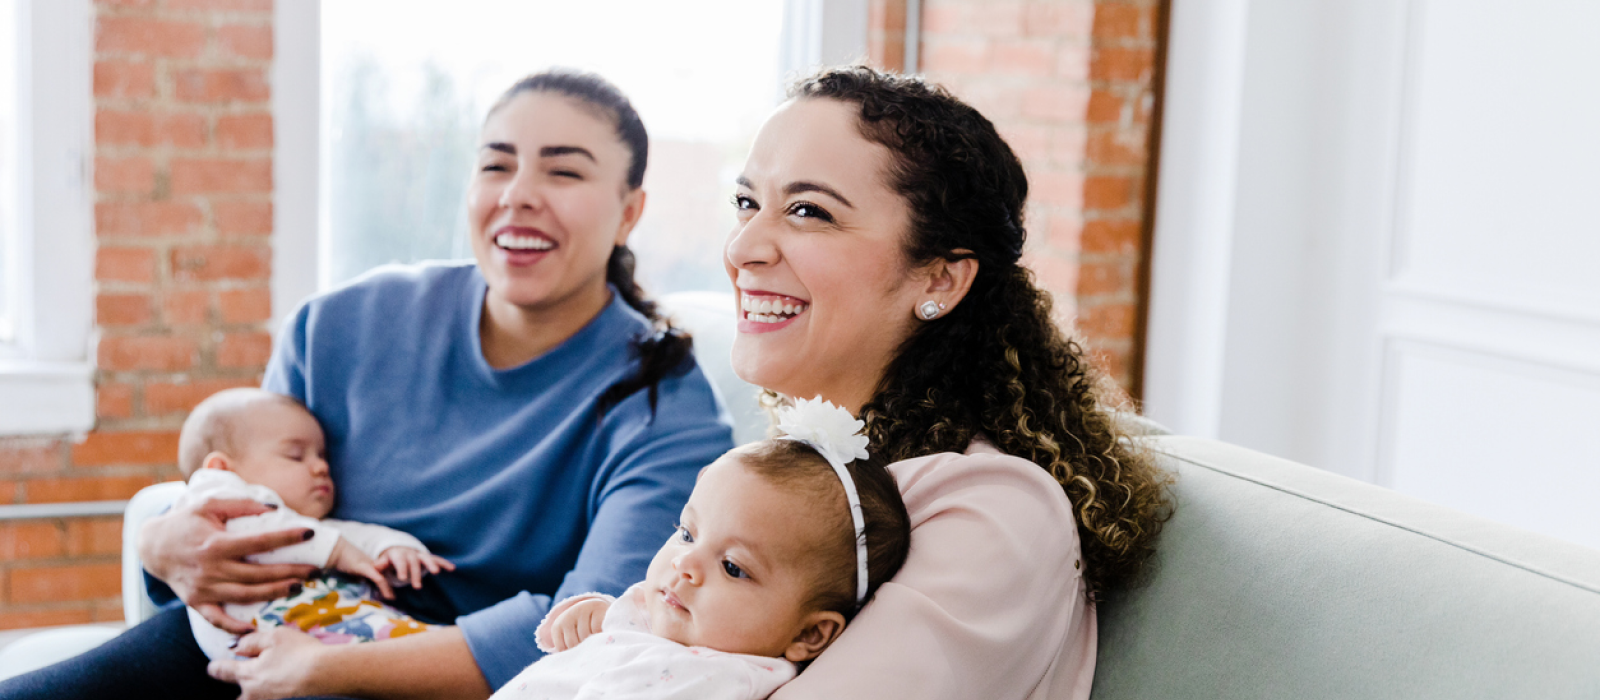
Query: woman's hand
x,y
577,622
192,551
282,664
408,564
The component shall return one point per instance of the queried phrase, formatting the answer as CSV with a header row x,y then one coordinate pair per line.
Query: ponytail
x,y
662,350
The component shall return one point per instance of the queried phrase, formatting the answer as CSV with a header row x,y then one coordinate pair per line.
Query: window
x,y
46,246
403,88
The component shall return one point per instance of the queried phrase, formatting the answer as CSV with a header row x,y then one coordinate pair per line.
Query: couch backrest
x,y
1276,580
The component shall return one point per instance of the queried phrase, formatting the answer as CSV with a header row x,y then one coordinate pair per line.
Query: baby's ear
x,y
216,460
819,630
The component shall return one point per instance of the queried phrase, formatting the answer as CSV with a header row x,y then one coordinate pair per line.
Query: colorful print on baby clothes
x,y
338,610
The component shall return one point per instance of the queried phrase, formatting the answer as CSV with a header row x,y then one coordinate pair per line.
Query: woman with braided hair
x,y
876,260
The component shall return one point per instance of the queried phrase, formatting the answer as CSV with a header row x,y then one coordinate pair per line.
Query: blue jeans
x,y
156,659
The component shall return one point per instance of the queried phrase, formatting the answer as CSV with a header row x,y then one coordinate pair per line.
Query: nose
x,y
319,466
751,244
523,191
688,567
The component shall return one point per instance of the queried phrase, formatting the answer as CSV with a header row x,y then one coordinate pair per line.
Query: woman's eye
x,y
810,211
733,569
743,203
571,174
494,168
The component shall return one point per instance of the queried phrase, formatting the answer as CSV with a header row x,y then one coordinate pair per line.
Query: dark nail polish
x,y
294,589
309,534
234,644
271,506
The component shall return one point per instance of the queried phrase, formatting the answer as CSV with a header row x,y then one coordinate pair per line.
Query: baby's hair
x,y
796,467
214,425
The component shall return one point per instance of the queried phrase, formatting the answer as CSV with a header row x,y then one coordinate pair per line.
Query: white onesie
x,y
625,661
207,484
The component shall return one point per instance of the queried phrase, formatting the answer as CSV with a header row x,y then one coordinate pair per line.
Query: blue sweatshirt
x,y
515,475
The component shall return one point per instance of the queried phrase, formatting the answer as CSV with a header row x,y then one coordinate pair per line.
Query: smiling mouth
x,y
519,242
770,309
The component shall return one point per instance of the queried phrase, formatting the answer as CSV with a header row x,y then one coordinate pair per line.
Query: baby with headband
x,y
780,544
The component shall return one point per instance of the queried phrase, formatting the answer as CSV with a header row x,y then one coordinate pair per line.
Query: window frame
x,y
46,373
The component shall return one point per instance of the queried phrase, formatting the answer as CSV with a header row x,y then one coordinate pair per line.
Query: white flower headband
x,y
833,432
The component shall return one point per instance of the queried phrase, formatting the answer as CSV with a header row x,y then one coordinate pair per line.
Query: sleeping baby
x,y
781,543
257,445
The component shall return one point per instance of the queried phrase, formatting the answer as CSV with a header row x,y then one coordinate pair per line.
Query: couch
x,y
1273,580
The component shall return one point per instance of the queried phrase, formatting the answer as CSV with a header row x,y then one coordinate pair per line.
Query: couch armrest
x,y
151,500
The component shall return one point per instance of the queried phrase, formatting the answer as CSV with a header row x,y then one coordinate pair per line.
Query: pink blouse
x,y
990,603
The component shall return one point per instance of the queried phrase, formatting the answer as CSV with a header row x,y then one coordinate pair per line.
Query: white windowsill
x,y
44,398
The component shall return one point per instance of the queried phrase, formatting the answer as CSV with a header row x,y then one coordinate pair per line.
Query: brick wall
x,y
183,214
1071,86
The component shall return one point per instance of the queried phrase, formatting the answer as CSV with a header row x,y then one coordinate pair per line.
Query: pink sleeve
x,y
990,601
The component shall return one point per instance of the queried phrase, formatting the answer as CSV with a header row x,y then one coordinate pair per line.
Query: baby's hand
x,y
577,622
408,564
350,559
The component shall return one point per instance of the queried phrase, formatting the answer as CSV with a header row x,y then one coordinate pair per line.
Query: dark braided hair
x,y
665,348
995,365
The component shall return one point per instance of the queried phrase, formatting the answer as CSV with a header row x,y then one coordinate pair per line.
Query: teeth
x,y
512,241
768,310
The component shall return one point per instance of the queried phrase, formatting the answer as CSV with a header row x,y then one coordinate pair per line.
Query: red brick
x,y
207,176
1056,188
30,455
180,130
997,19
1122,65
1030,143
209,263
228,85
122,309
1121,236
94,536
1109,192
160,353
886,15
1056,102
29,540
101,448
88,488
27,619
243,218
1105,278
960,57
113,400
1117,21
1059,19
996,102
133,175
146,218
1108,321
1023,57
161,398
1066,232
945,18
1117,147
1072,62
1106,107
125,3
125,265
55,584
1068,145
185,307
245,131
8,492
149,37
124,79
246,41
227,5
1056,275
245,305
120,128
244,350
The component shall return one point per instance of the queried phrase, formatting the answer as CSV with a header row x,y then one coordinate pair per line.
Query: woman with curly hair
x,y
876,260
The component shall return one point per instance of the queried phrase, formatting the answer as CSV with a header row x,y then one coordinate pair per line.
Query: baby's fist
x,y
577,622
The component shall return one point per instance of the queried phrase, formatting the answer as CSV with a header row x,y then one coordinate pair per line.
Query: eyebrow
x,y
799,186
545,152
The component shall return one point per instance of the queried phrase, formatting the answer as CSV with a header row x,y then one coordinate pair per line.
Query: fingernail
x,y
294,589
233,644
308,535
271,506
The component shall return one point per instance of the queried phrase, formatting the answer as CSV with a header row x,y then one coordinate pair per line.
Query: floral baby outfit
x,y
331,607
624,661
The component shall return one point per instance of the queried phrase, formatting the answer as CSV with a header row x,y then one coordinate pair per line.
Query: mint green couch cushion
x,y
1276,580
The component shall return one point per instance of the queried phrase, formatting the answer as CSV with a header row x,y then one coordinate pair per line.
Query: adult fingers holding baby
x,y
275,666
191,549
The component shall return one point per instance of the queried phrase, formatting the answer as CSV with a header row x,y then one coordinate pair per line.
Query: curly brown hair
x,y
995,365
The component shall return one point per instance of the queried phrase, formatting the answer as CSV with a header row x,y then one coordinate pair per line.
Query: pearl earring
x,y
929,309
